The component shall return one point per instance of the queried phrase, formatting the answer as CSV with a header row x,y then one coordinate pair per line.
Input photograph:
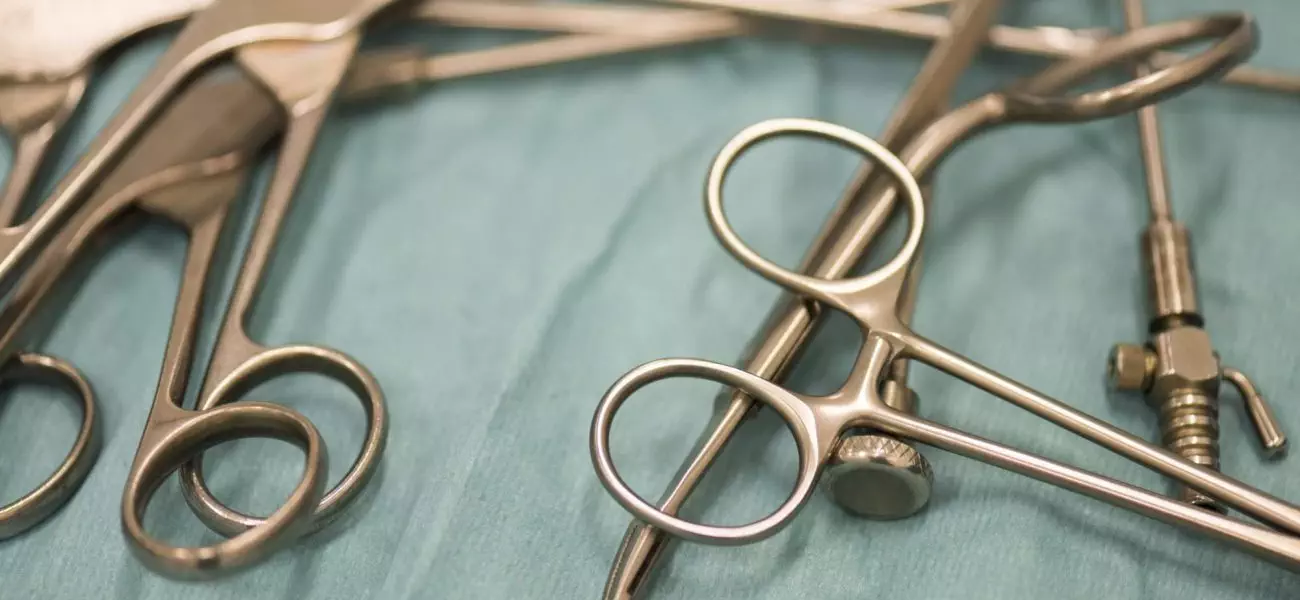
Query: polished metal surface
x,y
878,477
300,50
218,29
37,505
1178,370
33,112
305,77
817,422
1050,42
1168,260
1266,426
590,30
793,320
31,115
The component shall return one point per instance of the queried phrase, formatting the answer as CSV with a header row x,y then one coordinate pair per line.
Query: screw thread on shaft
x,y
1189,426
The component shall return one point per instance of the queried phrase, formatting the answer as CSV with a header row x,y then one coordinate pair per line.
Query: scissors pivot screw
x,y
878,477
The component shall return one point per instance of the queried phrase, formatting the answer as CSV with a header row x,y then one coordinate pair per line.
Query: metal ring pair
x,y
221,416
1028,102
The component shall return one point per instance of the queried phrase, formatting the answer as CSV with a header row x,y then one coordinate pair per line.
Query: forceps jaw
x,y
34,507
170,444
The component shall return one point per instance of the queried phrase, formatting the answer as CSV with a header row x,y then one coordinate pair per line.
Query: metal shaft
x,y
1049,42
793,321
1149,132
1178,370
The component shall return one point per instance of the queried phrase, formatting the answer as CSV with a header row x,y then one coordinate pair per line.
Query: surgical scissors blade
x,y
872,299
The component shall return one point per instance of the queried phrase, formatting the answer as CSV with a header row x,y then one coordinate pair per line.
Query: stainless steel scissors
x,y
817,422
300,50
173,171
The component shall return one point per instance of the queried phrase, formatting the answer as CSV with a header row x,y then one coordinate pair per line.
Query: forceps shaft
x,y
793,321
1149,134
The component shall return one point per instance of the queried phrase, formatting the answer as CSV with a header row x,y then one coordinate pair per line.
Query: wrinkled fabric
x,y
499,250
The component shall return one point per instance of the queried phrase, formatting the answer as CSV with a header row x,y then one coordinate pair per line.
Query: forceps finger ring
x,y
166,448
260,368
815,435
31,509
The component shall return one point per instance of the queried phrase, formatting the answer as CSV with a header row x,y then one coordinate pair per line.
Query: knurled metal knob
x,y
1130,367
878,477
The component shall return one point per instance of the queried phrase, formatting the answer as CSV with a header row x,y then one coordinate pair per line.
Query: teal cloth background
x,y
499,250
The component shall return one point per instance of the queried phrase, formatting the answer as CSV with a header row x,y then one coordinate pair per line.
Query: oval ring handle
x,y
831,292
797,416
37,505
190,437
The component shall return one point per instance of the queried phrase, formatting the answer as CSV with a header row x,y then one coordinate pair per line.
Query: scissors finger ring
x,y
31,509
265,366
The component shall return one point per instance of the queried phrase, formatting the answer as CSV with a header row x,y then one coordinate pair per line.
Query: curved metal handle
x,y
33,508
190,436
839,292
1237,36
796,413
261,368
1269,431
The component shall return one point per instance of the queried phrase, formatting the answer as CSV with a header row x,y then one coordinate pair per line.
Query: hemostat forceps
x,y
794,320
817,422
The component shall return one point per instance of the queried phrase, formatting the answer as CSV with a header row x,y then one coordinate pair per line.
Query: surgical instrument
x,y
867,459
871,299
300,50
1178,370
374,71
1049,42
45,56
48,47
588,31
